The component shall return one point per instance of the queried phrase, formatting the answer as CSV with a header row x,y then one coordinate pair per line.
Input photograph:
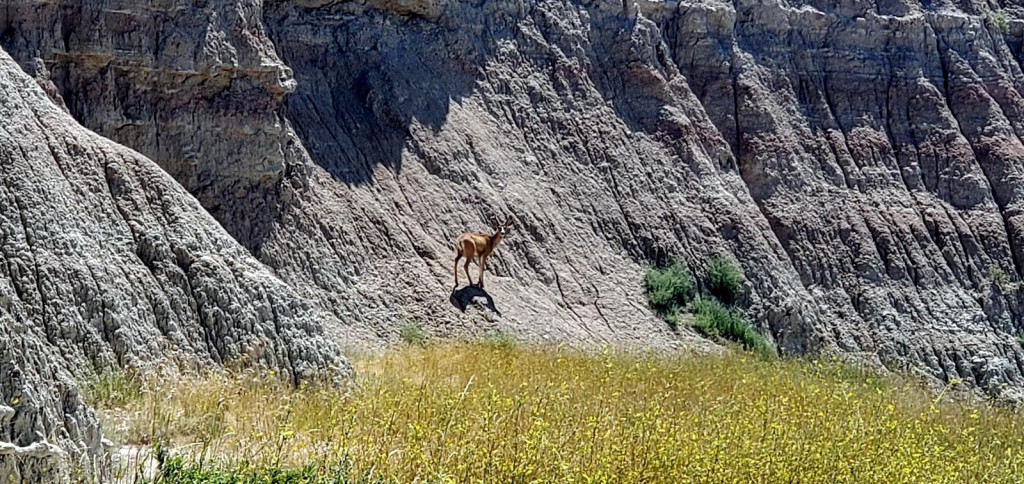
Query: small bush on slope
x,y
669,288
412,333
725,281
500,339
715,320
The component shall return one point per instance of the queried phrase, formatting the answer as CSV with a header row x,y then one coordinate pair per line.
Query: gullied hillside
x,y
861,160
107,263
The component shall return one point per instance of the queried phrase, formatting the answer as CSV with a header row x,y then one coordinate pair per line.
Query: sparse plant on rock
x,y
1000,20
501,339
1000,278
412,333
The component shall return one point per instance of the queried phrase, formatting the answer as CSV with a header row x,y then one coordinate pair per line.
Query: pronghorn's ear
x,y
508,222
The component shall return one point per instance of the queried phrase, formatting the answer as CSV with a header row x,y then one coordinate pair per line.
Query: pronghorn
x,y
476,244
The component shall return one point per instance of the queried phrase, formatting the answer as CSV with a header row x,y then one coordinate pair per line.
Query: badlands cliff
x,y
862,161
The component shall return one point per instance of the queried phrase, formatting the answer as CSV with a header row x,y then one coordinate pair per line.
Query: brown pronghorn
x,y
476,244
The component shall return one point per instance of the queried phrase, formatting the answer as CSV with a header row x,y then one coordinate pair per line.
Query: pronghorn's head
x,y
504,226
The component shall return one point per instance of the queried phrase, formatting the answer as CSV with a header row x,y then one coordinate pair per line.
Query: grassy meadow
x,y
477,412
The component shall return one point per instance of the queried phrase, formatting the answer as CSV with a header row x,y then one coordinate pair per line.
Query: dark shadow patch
x,y
462,298
362,82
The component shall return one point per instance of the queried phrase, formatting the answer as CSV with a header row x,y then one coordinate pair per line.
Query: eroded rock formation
x,y
107,263
861,160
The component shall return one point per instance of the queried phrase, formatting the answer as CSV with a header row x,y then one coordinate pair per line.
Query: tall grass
x,y
476,413
113,388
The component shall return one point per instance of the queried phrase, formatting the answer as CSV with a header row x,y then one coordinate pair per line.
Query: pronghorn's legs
x,y
468,277
483,262
458,255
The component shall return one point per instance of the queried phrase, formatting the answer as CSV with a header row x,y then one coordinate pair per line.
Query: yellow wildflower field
x,y
463,412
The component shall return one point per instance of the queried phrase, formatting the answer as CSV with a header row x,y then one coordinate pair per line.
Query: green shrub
x,y
673,317
669,288
714,319
996,275
1000,20
725,281
412,333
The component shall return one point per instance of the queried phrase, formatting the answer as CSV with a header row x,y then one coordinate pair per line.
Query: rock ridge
x,y
107,263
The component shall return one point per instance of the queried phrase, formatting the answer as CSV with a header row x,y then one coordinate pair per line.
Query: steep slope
x,y
564,112
105,263
196,88
859,159
419,132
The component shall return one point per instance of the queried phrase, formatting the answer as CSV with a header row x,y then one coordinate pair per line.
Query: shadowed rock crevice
x,y
360,91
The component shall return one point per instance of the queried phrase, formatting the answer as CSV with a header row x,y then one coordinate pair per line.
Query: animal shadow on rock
x,y
462,298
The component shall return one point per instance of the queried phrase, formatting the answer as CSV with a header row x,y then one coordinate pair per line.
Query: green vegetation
x,y
669,288
178,470
475,413
997,275
670,291
1000,20
412,333
725,281
1001,279
715,320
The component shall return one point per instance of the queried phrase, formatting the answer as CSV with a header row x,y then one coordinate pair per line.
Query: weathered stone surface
x,y
194,86
881,142
419,127
106,262
347,227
